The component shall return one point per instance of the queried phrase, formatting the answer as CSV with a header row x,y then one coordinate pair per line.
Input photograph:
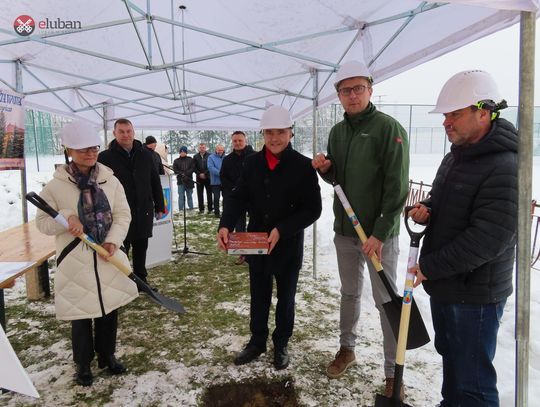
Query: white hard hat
x,y
78,134
352,69
466,89
276,117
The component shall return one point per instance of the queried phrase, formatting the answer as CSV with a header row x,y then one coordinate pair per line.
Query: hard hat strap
x,y
493,107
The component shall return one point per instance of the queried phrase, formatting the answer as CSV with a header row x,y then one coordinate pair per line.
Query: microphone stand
x,y
185,250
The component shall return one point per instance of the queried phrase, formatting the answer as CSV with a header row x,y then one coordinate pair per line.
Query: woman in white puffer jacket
x,y
87,287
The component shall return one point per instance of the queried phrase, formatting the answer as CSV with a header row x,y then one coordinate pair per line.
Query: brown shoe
x,y
344,359
389,389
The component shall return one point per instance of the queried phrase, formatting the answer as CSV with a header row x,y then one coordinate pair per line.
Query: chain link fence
x,y
426,133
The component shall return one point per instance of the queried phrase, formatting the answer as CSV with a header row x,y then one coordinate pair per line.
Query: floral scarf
x,y
93,206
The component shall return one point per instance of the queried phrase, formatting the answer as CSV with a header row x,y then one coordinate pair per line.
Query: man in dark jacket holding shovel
x,y
467,256
368,156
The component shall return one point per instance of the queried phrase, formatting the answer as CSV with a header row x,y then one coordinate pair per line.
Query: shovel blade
x,y
418,335
383,401
158,298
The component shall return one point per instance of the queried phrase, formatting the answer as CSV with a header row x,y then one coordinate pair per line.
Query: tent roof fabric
x,y
218,65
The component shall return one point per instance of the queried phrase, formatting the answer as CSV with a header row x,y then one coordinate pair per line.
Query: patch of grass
x,y
215,293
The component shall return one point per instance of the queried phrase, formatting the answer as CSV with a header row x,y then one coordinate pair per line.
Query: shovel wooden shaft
x,y
356,224
96,247
406,308
101,251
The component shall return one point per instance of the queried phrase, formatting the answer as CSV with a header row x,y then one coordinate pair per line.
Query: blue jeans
x,y
182,193
216,193
466,338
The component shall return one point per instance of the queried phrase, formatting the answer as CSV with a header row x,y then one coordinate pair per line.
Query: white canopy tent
x,y
208,64
217,65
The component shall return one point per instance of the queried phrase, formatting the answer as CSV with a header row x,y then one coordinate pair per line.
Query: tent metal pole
x,y
105,119
33,75
35,137
252,44
149,31
315,79
523,262
19,89
81,50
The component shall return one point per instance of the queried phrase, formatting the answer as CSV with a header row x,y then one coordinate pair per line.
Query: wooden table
x,y
25,250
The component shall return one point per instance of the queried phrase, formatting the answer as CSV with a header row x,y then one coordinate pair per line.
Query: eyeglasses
x,y
358,90
93,149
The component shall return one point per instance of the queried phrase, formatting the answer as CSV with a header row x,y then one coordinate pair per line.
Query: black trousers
x,y
201,186
102,340
260,284
140,246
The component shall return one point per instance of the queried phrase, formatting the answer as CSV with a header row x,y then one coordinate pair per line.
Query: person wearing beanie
x,y
151,143
88,289
184,167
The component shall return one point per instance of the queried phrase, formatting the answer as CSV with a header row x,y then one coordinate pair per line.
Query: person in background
x,y
214,167
281,191
151,143
231,170
202,176
88,289
134,167
467,256
368,155
183,167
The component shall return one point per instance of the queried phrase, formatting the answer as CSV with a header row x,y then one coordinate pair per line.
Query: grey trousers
x,y
351,264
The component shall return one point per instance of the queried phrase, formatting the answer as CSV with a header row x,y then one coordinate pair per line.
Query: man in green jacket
x,y
368,155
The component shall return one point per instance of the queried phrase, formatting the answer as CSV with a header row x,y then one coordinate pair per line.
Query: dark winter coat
x,y
201,166
468,251
183,167
287,198
157,162
231,169
138,175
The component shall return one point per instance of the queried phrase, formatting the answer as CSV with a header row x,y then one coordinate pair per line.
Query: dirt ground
x,y
252,394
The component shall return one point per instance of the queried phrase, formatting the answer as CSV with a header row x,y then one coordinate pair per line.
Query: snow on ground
x,y
423,168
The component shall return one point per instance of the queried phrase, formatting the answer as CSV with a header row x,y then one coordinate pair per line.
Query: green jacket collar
x,y
357,118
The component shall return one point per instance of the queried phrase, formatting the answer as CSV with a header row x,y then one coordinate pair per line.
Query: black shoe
x,y
281,358
250,353
84,375
113,364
